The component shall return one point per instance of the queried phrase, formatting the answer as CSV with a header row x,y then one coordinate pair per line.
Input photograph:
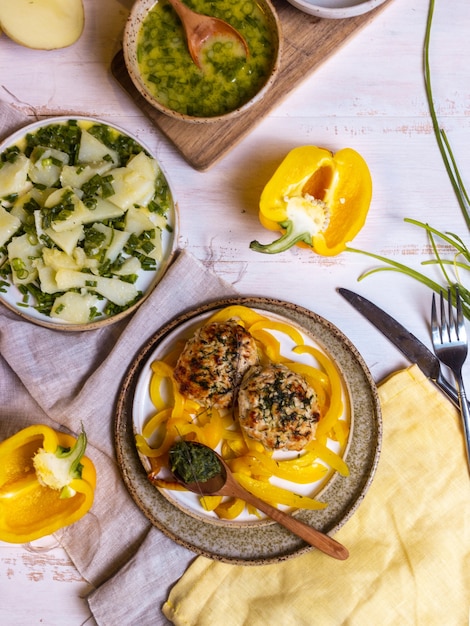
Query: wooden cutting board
x,y
307,42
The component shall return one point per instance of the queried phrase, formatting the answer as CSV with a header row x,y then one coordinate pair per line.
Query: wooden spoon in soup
x,y
199,28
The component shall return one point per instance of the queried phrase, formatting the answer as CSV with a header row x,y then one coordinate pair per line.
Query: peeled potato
x,y
42,24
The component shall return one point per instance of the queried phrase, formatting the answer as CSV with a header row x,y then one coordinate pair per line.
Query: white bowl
x,y
336,9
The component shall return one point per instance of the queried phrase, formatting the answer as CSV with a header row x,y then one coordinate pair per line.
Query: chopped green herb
x,y
191,462
459,252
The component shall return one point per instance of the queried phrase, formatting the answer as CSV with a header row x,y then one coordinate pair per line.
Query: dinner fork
x,y
449,339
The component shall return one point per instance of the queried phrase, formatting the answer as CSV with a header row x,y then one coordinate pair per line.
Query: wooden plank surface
x,y
307,42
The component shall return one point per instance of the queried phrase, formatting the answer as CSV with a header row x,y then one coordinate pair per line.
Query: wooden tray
x,y
308,41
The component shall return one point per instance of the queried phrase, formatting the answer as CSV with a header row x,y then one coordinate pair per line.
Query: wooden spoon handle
x,y
314,537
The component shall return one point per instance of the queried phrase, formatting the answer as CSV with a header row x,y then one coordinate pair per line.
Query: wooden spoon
x,y
199,28
224,484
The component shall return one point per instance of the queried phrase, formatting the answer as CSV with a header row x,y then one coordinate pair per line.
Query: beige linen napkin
x,y
409,541
63,379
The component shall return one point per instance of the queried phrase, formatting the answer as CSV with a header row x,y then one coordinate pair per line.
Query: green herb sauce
x,y
227,79
193,463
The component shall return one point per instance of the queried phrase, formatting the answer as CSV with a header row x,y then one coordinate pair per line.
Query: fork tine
x,y
451,322
444,327
435,332
461,332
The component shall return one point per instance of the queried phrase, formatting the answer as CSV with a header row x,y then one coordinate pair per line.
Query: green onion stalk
x,y
451,268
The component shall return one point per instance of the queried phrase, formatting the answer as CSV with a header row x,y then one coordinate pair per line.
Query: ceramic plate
x,y
261,542
336,9
143,409
146,279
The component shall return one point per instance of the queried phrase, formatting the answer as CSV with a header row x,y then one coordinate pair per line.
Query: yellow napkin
x,y
409,541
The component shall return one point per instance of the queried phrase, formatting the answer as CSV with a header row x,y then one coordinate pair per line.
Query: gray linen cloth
x,y
64,379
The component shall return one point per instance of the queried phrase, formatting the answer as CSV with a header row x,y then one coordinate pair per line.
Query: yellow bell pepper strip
x,y
277,495
45,483
316,199
210,503
335,409
230,509
244,313
280,327
329,457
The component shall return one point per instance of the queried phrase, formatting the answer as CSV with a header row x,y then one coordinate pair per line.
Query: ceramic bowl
x,y
182,68
336,9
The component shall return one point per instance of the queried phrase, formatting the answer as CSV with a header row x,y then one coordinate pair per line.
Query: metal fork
x,y
449,339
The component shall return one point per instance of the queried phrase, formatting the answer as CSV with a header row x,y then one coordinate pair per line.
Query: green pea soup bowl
x,y
227,83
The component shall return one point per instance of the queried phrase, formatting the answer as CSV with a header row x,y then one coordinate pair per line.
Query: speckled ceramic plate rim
x,y
43,320
268,543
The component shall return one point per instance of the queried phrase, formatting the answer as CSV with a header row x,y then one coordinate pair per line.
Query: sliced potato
x,y
92,150
141,219
104,210
46,278
46,165
78,175
34,195
84,261
147,167
74,307
23,254
115,240
42,24
14,177
9,224
130,188
58,260
113,289
157,251
81,214
67,240
130,266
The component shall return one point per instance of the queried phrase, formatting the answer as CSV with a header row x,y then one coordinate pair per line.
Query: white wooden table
x,y
369,96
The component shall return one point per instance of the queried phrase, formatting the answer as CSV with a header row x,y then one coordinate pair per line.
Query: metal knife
x,y
415,351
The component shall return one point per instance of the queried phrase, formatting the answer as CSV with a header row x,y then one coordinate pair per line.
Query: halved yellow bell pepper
x,y
316,199
45,483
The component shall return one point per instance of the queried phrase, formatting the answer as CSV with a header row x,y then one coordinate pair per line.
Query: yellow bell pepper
x,y
45,483
277,495
244,313
316,199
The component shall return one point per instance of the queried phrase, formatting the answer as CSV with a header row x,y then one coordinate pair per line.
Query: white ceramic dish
x,y
144,409
261,542
336,9
11,296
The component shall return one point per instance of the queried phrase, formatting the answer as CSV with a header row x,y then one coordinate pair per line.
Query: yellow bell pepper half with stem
x,y
316,199
46,483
